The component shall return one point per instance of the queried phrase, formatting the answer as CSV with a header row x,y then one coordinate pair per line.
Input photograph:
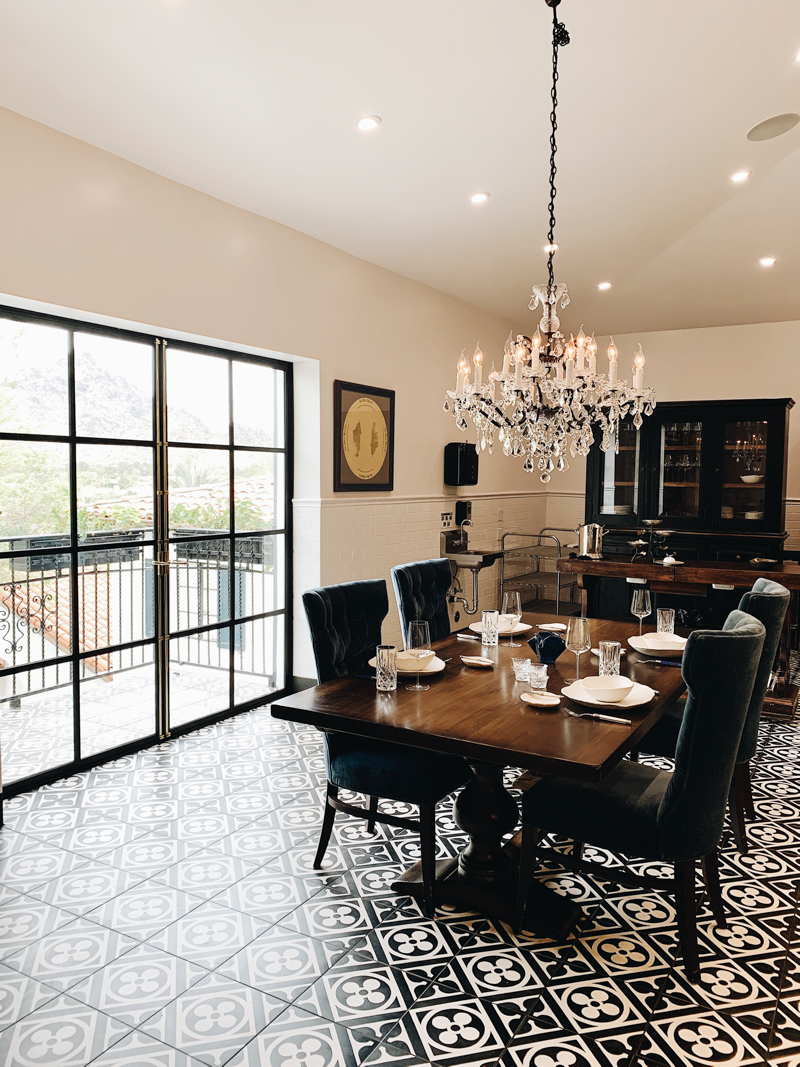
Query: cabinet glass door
x,y
744,471
679,485
619,476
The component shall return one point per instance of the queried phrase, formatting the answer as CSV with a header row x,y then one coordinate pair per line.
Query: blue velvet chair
x,y
345,623
673,817
768,602
421,590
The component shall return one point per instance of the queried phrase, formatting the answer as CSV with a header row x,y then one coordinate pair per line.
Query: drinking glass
x,y
665,621
578,641
418,644
609,657
641,606
386,668
537,675
521,666
489,624
512,610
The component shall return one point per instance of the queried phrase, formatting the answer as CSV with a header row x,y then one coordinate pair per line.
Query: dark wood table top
x,y
702,572
479,714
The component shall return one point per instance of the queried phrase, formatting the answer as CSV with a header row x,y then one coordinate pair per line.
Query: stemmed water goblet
x,y
641,606
418,645
578,641
512,611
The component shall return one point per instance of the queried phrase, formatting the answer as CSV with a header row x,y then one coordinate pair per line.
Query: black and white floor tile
x,y
163,911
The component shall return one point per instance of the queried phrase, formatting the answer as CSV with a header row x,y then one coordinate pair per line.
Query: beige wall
x,y
86,230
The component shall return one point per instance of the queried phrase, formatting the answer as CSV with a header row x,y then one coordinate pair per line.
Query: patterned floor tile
x,y
704,1038
24,920
36,865
214,1019
207,873
86,888
299,1038
61,959
281,962
141,1050
210,934
63,1032
266,894
144,910
20,995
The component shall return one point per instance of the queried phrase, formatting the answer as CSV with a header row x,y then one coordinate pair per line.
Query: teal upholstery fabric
x,y
421,590
672,816
768,602
345,623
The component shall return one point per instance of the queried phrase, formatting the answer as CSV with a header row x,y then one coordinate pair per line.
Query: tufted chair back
x,y
345,623
768,602
719,668
421,590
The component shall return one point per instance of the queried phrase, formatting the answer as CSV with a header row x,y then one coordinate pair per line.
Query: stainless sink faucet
x,y
464,538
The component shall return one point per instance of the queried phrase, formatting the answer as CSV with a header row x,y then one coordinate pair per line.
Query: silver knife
x,y
608,718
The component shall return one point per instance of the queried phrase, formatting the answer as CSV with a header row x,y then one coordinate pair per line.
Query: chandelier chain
x,y
560,38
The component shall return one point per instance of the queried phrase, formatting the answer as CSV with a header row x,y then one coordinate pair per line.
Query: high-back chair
x,y
768,602
672,816
421,590
345,623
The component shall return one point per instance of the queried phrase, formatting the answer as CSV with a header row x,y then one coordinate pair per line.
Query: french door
x,y
144,524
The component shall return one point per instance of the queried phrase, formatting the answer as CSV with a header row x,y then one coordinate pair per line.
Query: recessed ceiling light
x,y
479,198
767,261
369,122
549,249
740,176
604,285
773,127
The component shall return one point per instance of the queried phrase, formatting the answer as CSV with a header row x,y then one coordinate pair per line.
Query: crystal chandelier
x,y
549,396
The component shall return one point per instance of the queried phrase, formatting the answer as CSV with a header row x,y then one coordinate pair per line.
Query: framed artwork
x,y
363,438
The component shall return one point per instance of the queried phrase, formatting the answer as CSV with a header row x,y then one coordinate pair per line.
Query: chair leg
x,y
327,825
527,846
633,755
711,876
577,849
373,809
427,847
736,806
747,784
686,908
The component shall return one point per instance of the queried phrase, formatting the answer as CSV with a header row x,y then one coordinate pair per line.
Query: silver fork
x,y
595,715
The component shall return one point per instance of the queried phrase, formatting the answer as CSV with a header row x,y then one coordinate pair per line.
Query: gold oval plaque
x,y
365,438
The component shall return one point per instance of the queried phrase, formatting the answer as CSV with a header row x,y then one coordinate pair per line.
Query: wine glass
x,y
512,610
641,605
418,645
578,640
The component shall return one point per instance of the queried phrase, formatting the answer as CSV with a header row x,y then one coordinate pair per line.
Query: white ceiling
x,y
255,102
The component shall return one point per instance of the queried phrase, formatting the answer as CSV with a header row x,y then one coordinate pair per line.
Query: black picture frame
x,y
350,442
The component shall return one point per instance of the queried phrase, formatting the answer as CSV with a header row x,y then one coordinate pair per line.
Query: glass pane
x,y
115,596
198,583
118,699
34,490
197,398
199,491
115,493
258,405
679,490
33,378
259,574
258,490
36,724
113,387
619,481
199,678
258,658
35,616
744,471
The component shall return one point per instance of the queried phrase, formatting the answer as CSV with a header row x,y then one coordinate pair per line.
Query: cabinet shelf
x,y
681,485
741,485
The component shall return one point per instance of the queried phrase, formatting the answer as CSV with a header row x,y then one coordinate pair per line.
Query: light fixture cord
x,y
560,38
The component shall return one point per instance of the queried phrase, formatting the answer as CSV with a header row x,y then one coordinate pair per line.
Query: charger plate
x,y
520,628
640,694
434,667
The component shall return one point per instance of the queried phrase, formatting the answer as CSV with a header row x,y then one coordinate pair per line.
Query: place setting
x,y
664,646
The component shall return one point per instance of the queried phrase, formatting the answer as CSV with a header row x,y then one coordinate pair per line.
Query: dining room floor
x,y
162,910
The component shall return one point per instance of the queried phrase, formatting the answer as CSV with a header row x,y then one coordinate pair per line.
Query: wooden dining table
x,y
479,714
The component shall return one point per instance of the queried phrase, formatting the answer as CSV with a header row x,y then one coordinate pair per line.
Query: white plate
x,y
540,698
520,628
433,667
554,626
640,694
477,661
650,650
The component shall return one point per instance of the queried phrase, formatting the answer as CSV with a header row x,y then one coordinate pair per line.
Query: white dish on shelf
x,y
503,631
751,479
432,667
640,694
754,514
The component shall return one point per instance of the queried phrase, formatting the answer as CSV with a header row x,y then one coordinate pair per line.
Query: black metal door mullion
x,y
161,550
231,544
74,607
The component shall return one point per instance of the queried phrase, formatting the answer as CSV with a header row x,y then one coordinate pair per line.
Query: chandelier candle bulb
x,y
613,356
518,365
463,374
507,354
638,369
477,359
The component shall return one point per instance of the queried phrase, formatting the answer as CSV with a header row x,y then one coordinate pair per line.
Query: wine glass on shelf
x,y
641,606
578,641
418,645
512,611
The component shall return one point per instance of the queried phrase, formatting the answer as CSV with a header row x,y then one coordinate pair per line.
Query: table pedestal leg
x,y
487,812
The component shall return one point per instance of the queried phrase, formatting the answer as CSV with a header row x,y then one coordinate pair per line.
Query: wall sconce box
x,y
460,464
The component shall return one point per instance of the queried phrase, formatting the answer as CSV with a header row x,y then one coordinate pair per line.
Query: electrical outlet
x,y
447,520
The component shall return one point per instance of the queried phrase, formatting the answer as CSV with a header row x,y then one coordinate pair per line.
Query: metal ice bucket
x,y
590,540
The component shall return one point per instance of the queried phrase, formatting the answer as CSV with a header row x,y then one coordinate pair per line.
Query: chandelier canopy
x,y
549,395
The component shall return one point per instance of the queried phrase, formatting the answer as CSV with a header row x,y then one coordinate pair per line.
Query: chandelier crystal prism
x,y
548,399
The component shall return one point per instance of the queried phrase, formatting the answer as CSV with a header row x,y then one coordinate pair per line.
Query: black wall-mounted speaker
x,y
460,464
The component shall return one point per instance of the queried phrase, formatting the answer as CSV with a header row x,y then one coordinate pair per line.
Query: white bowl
x,y
405,662
611,688
751,479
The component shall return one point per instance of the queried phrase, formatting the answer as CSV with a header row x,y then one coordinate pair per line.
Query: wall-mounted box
x,y
460,464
